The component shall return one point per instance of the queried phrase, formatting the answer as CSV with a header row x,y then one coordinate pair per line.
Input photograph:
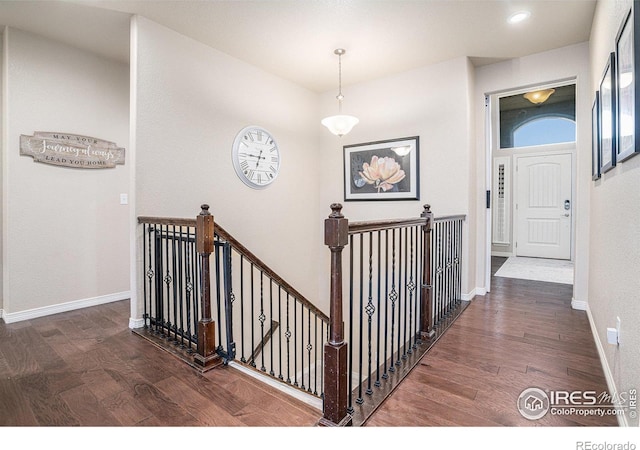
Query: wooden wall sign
x,y
71,150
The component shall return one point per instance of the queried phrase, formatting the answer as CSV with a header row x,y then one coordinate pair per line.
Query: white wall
x,y
65,235
433,103
2,140
190,101
614,233
565,63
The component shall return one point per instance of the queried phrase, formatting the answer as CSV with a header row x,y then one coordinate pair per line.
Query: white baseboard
x,y
473,293
297,393
502,254
579,304
611,384
64,307
136,323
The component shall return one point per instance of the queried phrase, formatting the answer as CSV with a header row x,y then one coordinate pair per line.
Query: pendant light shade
x,y
340,124
538,97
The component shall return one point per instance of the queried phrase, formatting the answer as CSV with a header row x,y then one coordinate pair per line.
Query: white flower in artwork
x,y
382,173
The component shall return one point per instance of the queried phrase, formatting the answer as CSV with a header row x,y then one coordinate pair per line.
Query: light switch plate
x,y
124,199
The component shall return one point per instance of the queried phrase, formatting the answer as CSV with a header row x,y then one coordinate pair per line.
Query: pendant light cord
x,y
340,96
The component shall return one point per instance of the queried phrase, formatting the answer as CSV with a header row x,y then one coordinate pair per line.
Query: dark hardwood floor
x,y
523,334
86,368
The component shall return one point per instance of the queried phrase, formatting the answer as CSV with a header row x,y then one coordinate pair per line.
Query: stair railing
x,y
391,316
207,297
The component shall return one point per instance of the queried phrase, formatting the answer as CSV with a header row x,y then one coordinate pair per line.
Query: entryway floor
x,y
537,269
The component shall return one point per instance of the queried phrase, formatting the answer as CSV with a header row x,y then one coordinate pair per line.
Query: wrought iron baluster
x,y
459,261
360,400
323,340
401,289
350,409
242,340
229,300
174,316
271,372
379,270
159,281
385,374
411,287
189,288
393,296
309,347
167,279
218,277
295,342
439,270
370,310
302,308
315,359
197,275
181,288
288,336
449,279
253,343
146,247
432,266
418,275
280,376
406,292
262,318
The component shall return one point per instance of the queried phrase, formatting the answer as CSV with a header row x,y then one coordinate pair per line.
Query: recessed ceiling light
x,y
518,17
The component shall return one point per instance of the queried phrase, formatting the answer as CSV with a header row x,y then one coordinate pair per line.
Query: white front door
x,y
543,206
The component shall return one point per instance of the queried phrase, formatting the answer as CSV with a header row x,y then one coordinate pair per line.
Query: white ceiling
x,y
295,39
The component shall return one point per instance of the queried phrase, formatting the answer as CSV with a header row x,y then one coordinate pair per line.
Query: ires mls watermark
x,y
535,403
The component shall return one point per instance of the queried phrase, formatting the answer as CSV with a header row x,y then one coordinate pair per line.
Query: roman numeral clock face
x,y
256,158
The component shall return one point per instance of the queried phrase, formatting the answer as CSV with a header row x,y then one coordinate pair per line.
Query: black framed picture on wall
x,y
595,138
382,170
627,95
608,116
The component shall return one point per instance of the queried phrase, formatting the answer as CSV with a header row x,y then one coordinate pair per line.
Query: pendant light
x,y
340,124
538,97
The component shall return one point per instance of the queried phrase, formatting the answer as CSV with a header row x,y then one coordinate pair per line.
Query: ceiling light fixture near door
x,y
340,124
518,17
538,97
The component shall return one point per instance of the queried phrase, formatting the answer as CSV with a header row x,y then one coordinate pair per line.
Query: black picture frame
x,y
382,170
627,95
595,138
607,113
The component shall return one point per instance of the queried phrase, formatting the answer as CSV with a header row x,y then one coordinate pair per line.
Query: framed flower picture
x,y
382,170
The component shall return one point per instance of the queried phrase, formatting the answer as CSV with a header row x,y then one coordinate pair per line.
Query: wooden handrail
x,y
452,217
246,253
379,225
376,225
167,221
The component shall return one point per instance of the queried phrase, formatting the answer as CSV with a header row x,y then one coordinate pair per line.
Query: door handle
x,y
566,214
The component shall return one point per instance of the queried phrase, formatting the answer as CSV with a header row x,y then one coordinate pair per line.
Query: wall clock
x,y
256,157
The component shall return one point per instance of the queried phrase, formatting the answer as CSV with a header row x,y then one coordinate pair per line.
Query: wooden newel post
x,y
336,236
426,297
206,355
